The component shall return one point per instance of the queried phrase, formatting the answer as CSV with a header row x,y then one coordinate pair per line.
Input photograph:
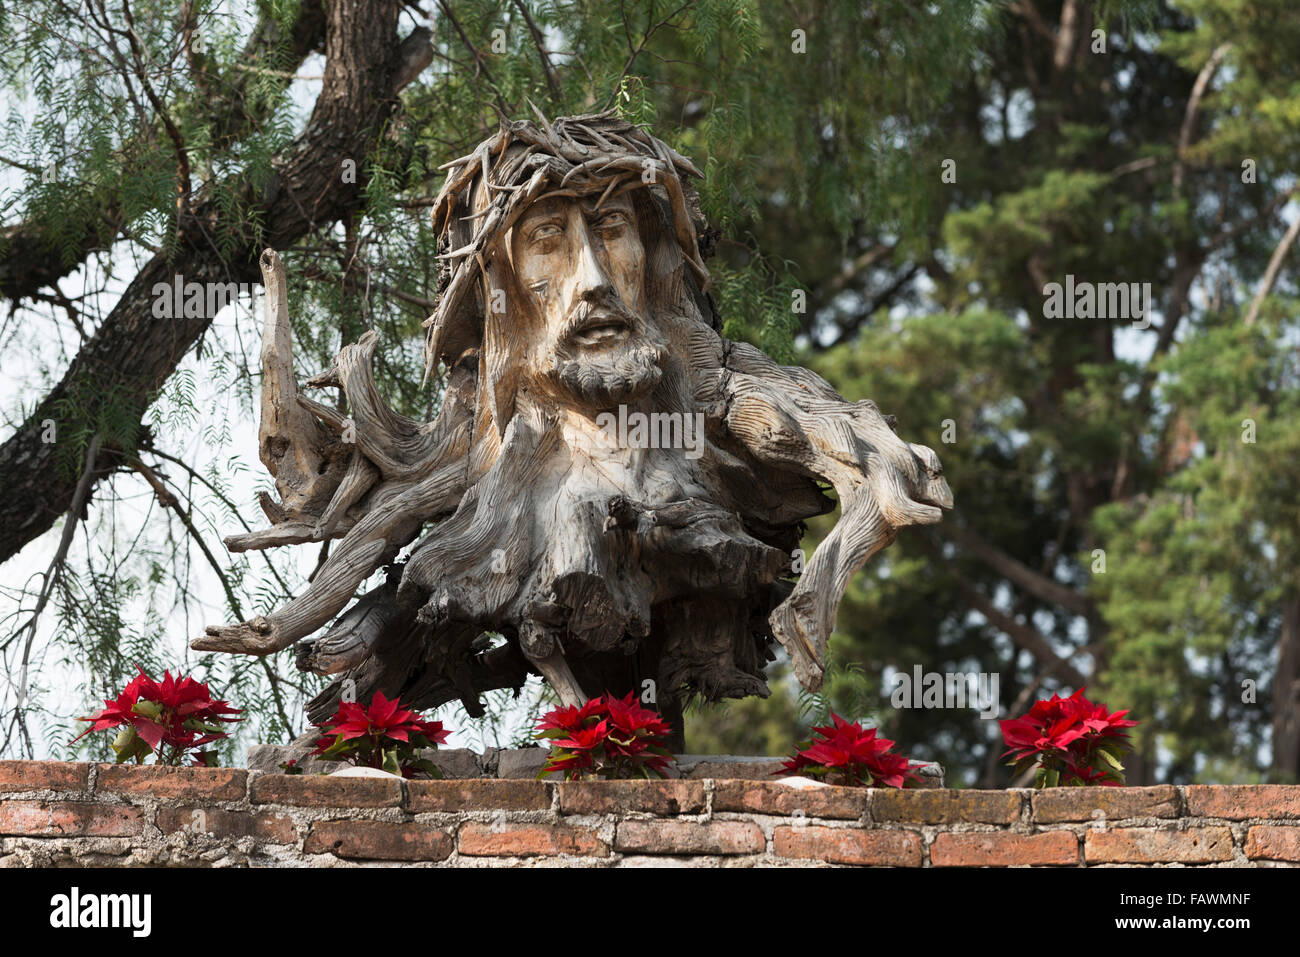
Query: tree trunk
x,y
1286,694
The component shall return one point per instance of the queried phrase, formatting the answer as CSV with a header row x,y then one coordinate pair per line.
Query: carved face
x,y
581,271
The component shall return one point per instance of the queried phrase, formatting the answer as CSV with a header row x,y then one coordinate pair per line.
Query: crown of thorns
x,y
573,156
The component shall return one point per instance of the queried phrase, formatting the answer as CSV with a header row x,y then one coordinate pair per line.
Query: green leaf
x,y
123,740
1023,765
390,763
130,746
1110,759
150,709
1115,748
340,747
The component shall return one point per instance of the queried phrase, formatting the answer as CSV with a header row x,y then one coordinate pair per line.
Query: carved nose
x,y
593,281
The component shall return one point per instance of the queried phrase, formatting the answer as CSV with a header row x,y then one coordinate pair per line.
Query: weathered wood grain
x,y
522,531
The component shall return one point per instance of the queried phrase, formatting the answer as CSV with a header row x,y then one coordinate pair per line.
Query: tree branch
x,y
478,57
171,501
539,42
1024,635
1189,115
1013,570
79,498
160,108
1271,273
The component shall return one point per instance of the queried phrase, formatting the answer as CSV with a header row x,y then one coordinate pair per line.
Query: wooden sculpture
x,y
610,486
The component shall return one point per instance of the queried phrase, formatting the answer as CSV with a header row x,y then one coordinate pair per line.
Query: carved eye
x,y
545,231
614,219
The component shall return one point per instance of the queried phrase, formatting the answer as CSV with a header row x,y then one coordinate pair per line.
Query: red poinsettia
x,y
855,757
606,737
384,735
1072,740
168,717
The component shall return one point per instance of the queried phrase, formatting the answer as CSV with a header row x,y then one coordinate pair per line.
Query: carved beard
x,y
600,376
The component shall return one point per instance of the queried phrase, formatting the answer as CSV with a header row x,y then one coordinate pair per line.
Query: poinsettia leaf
x,y
151,731
136,749
123,739
1024,764
1114,748
1110,759
150,709
338,748
124,744
195,724
390,763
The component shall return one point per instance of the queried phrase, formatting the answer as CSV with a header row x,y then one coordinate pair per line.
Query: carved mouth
x,y
601,330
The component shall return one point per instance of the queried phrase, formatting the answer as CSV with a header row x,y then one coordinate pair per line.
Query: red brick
x,y
1004,849
214,822
378,841
69,819
1269,842
320,790
618,797
1150,845
483,794
1240,802
768,797
42,775
162,783
945,806
529,840
688,837
1053,805
849,845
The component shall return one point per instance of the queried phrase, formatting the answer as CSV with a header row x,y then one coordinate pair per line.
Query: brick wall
x,y
54,813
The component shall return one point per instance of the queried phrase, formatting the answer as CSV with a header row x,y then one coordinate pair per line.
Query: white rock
x,y
351,772
803,784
